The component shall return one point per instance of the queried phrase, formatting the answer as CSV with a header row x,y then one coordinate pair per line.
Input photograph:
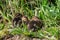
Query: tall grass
x,y
49,15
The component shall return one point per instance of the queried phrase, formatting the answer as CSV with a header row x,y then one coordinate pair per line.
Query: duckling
x,y
25,19
34,24
17,19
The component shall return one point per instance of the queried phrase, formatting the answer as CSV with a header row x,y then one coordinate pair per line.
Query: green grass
x,y
49,16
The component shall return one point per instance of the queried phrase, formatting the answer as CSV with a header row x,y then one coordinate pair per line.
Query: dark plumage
x,y
17,19
34,24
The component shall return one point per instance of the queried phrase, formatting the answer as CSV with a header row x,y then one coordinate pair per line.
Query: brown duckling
x,y
17,19
34,24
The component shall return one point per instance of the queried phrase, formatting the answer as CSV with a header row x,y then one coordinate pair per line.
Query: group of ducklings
x,y
32,24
